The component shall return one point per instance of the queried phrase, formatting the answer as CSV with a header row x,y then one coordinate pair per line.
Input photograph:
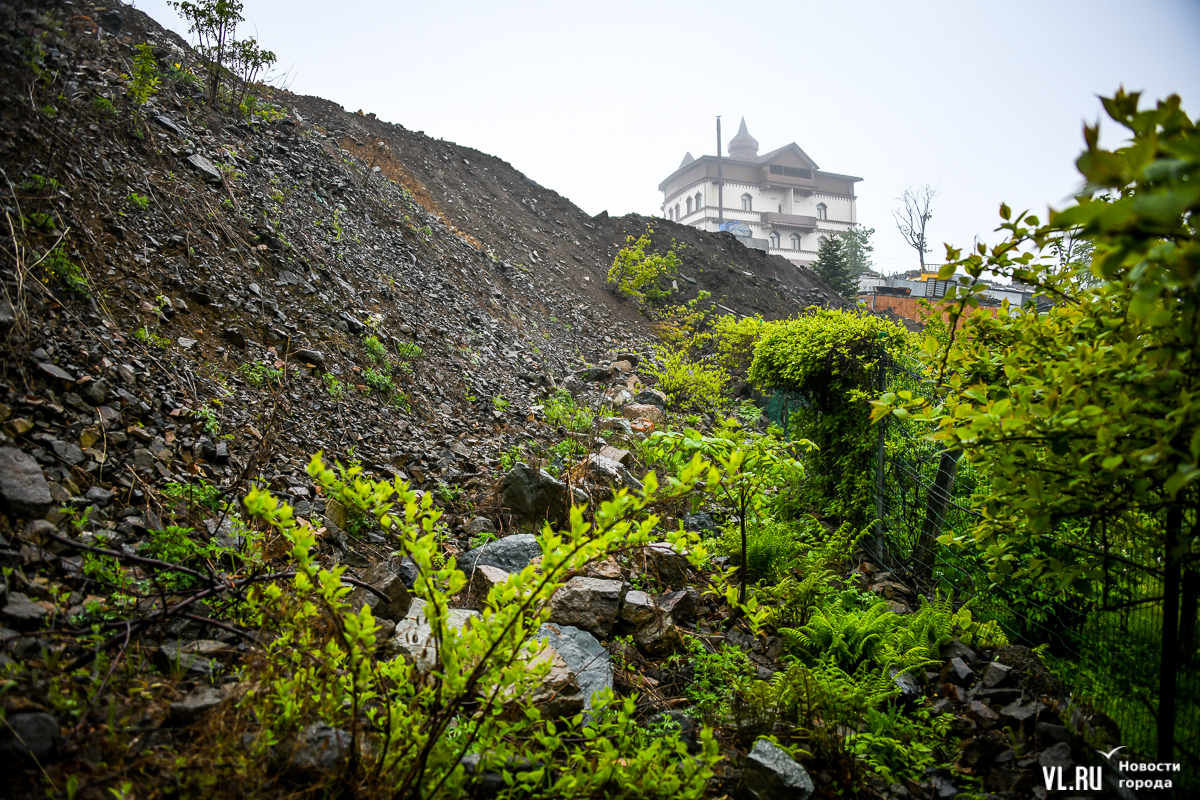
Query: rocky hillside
x,y
196,302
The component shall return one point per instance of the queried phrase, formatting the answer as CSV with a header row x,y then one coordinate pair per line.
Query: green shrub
x,y
561,409
689,385
772,546
147,338
260,375
374,348
143,83
379,381
736,339
643,276
335,387
139,201
209,422
58,268
410,351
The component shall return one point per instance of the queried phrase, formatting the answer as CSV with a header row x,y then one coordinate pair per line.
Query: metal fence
x,y
1106,643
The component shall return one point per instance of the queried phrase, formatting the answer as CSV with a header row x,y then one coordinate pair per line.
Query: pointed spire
x,y
687,159
743,146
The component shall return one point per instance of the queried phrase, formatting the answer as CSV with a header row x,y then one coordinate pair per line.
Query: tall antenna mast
x,y
720,180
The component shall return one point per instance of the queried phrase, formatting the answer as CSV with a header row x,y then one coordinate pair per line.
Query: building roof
x,y
687,159
743,146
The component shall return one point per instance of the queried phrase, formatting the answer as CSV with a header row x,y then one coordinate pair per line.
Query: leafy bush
x,y
641,275
139,201
208,420
379,381
374,348
689,385
335,387
202,495
147,338
143,83
561,409
736,339
410,351
58,268
260,375
831,360
772,546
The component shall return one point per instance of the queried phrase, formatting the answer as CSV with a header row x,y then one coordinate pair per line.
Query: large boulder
x,y
483,578
665,564
771,774
534,494
22,484
588,603
413,638
511,554
318,749
558,695
396,601
29,737
587,658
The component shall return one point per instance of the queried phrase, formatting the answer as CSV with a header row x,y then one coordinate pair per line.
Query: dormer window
x,y
747,202
822,211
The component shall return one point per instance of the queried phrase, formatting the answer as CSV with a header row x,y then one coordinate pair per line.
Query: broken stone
x,y
771,774
483,578
22,484
413,638
638,609
382,577
588,660
534,494
206,169
588,603
197,703
29,737
511,554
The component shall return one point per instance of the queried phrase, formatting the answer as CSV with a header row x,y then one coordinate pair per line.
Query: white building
x,y
779,202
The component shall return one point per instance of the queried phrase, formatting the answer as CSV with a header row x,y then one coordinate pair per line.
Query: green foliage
x,y
641,275
58,268
336,388
831,360
689,385
139,201
174,544
261,375
773,546
144,336
379,381
410,351
375,348
202,495
143,83
717,679
736,340
561,410
833,267
209,422
104,105
37,183
500,404
509,458
857,248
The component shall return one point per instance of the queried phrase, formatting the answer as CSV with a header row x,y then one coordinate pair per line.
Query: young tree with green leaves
x,y
858,248
1088,414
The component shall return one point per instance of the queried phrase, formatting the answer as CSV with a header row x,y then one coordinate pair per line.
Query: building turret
x,y
743,147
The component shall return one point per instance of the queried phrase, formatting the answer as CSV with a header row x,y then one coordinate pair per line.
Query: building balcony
x,y
789,220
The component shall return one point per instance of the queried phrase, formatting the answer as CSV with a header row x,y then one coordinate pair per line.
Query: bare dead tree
x,y
914,216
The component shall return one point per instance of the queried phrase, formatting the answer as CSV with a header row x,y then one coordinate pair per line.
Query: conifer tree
x,y
833,267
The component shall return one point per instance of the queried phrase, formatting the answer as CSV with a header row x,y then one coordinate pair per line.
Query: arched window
x,y
820,242
746,202
668,212
774,237
689,205
795,241
822,211
699,205
677,212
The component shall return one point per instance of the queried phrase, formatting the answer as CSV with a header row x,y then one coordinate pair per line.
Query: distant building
x,y
779,202
901,294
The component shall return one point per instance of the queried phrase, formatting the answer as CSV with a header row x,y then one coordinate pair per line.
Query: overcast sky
x,y
599,101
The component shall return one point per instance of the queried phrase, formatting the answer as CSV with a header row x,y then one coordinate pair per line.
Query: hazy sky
x,y
599,101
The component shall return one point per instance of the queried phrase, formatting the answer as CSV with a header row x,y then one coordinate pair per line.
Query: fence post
x,y
935,512
880,464
1168,668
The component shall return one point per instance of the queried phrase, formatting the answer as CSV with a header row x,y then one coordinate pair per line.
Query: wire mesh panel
x,y
1105,640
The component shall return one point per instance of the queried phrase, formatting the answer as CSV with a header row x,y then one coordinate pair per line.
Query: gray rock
x,y
22,484
681,605
23,614
190,657
586,657
28,737
652,397
97,392
681,724
595,374
483,578
55,372
589,603
235,336
995,674
111,21
207,170
480,525
98,495
534,494
413,638
197,703
169,124
618,425
319,748
385,580
511,554
659,637
314,357
1058,755
638,609
909,688
666,564
771,774
558,694
701,522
